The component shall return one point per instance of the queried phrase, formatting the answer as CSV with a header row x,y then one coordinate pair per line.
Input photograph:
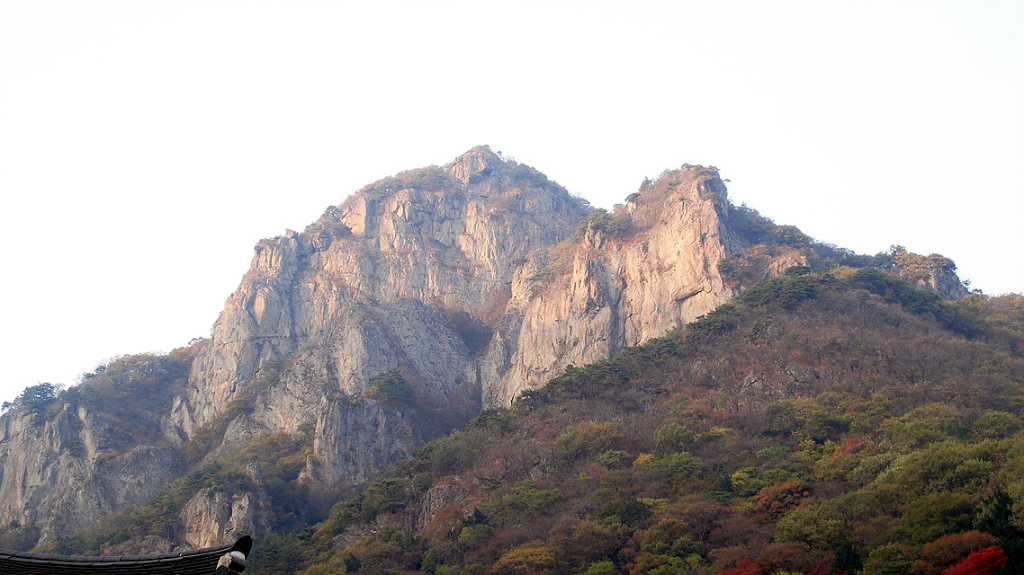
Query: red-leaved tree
x,y
745,567
981,562
949,550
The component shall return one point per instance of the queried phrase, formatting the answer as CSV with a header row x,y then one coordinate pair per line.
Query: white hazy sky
x,y
145,146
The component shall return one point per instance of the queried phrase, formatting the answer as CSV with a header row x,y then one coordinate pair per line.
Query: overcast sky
x,y
146,146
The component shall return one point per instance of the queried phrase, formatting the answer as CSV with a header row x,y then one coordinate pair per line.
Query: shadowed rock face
x,y
471,282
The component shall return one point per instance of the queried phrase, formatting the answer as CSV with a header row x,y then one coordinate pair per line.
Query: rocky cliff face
x,y
406,276
392,319
629,277
57,475
933,272
103,447
222,513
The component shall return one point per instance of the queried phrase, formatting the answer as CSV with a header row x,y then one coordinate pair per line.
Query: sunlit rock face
x,y
650,267
410,274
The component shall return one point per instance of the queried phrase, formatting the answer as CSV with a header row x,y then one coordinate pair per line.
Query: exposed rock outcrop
x,y
56,475
932,272
631,276
405,275
218,514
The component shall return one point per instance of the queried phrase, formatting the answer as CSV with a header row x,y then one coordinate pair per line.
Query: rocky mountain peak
x,y
475,165
409,274
689,183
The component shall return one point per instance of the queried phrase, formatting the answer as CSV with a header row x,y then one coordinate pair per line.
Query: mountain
x,y
393,319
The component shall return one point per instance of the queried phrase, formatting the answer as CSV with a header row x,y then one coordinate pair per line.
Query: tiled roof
x,y
193,562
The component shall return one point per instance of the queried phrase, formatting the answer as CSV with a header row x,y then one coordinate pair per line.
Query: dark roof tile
x,y
192,562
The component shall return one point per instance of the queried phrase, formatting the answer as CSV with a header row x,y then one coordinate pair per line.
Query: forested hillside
x,y
841,422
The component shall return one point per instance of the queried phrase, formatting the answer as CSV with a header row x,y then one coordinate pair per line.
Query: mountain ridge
x,y
392,319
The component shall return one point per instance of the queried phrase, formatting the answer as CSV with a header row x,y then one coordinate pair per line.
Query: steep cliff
x,y
629,276
406,275
66,462
221,513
